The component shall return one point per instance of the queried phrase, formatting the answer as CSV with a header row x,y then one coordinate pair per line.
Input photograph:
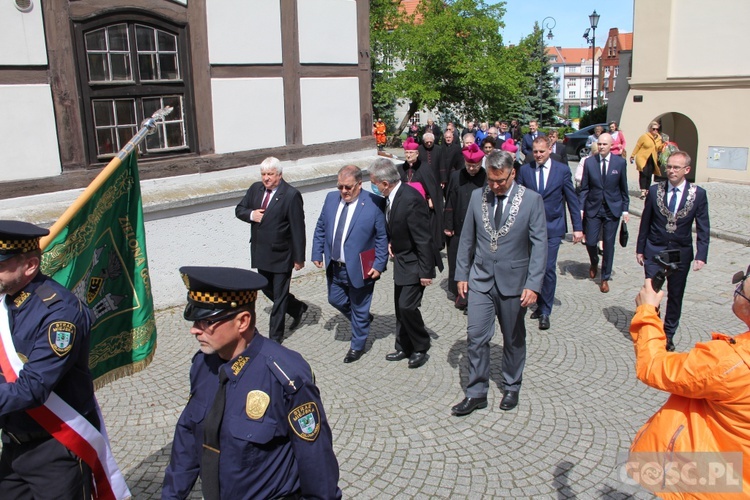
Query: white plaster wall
x,y
244,32
28,137
328,31
248,113
21,36
706,39
330,109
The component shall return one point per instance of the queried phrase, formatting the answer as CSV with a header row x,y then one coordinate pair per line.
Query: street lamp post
x,y
594,19
545,26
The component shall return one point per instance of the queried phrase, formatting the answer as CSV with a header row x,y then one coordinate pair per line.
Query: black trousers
x,y
411,335
41,470
283,302
644,176
675,292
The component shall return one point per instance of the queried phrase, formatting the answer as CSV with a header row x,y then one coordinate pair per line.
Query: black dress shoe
x,y
298,317
468,405
417,359
396,356
353,355
536,314
544,322
510,400
670,345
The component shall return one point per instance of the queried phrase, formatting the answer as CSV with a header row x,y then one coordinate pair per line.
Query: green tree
x,y
540,100
449,55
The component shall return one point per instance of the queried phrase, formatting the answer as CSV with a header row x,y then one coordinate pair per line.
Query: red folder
x,y
367,259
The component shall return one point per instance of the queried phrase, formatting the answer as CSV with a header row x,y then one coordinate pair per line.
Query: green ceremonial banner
x,y
101,257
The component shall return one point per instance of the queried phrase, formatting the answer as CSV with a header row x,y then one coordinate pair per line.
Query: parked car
x,y
575,142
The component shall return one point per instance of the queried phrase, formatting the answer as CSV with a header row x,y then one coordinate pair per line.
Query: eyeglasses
x,y
342,187
674,167
739,278
207,324
500,181
654,128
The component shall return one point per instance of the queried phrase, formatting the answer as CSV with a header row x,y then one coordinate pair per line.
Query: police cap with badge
x,y
215,291
17,237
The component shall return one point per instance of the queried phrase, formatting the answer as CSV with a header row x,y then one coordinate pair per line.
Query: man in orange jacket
x,y
698,444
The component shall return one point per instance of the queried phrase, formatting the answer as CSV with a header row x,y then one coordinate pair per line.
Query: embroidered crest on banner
x,y
61,335
305,421
256,404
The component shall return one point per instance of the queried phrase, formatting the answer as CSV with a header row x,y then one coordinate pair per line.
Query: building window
x,y
130,66
588,82
617,70
571,94
556,69
587,94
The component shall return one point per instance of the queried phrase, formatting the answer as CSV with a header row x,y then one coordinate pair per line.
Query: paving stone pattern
x,y
393,433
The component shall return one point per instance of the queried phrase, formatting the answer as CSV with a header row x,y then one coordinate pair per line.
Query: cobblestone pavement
x,y
393,433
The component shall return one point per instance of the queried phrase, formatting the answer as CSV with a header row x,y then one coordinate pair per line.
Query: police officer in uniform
x,y
47,329
254,425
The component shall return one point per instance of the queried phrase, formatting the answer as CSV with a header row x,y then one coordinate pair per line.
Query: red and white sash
x,y
67,425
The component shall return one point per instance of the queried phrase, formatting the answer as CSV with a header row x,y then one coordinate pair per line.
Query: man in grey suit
x,y
506,232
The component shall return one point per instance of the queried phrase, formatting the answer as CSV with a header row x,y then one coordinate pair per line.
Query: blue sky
x,y
571,18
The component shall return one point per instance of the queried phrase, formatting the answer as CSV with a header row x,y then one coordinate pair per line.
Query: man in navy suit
x,y
554,182
669,212
604,198
276,216
350,223
528,140
413,255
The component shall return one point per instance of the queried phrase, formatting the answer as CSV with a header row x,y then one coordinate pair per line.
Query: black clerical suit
x,y
413,257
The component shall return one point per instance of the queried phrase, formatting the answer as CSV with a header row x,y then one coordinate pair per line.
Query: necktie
x,y
540,184
339,234
387,209
499,210
604,168
266,199
211,441
673,200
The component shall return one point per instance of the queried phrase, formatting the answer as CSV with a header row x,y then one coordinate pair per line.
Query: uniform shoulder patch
x,y
47,294
305,421
61,335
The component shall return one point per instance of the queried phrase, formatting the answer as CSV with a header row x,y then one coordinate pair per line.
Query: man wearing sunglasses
x,y
709,406
254,425
669,212
351,234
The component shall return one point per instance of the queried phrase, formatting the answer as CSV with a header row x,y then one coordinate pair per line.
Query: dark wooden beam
x,y
23,75
291,72
365,74
197,32
184,165
64,84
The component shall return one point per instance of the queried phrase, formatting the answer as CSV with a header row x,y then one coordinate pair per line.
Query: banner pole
x,y
147,127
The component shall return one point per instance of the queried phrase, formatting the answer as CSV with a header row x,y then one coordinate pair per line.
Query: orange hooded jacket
x,y
709,406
